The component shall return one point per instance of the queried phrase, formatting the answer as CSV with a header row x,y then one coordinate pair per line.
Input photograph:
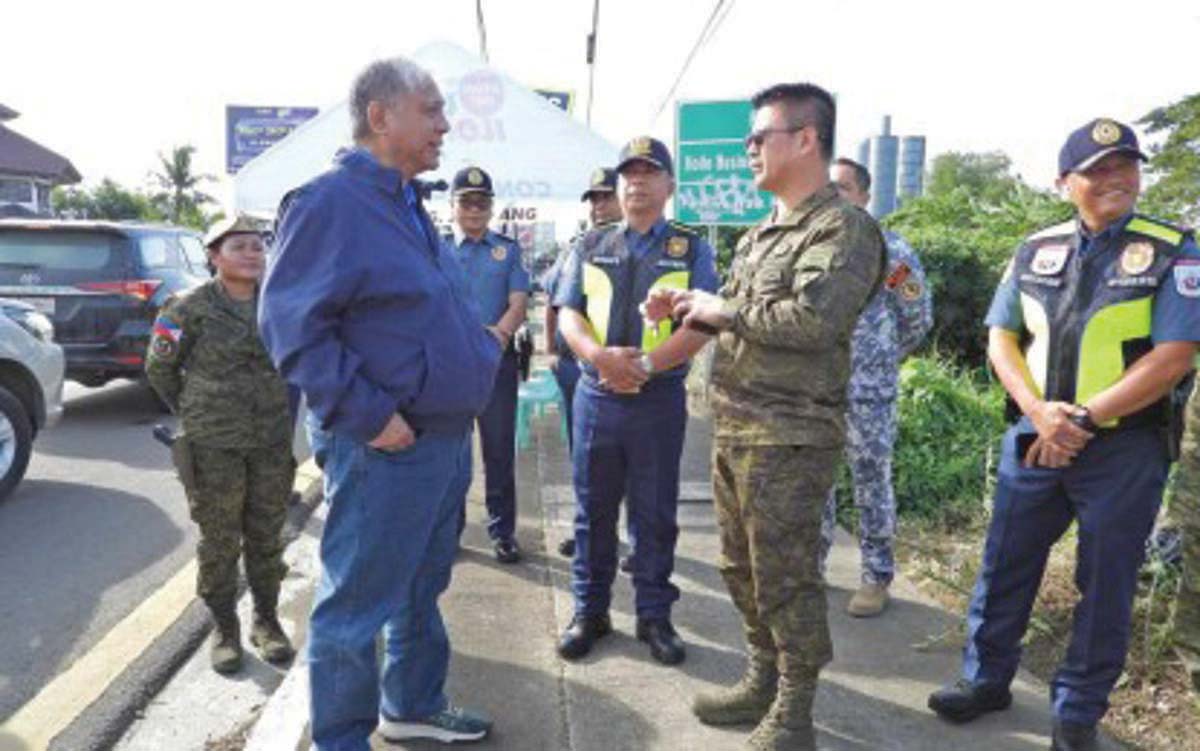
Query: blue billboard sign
x,y
249,131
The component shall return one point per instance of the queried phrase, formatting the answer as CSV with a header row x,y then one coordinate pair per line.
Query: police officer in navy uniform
x,y
603,209
499,283
1092,325
630,404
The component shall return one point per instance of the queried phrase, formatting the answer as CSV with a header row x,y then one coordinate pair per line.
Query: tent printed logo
x,y
473,106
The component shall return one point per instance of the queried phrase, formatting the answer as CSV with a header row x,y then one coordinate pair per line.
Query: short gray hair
x,y
384,81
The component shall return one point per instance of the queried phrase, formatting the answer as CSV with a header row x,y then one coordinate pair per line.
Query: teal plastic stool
x,y
532,398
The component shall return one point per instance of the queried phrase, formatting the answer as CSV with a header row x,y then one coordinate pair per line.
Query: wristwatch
x,y
647,364
1084,420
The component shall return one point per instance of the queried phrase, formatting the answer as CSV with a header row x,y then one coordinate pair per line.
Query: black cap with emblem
x,y
649,150
1094,141
471,180
603,180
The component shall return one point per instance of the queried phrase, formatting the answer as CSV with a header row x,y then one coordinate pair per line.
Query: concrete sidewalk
x,y
505,620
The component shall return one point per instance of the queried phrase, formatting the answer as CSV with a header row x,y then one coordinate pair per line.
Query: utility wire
x,y
482,27
704,33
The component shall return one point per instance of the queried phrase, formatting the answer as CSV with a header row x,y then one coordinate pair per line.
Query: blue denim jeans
x,y
386,552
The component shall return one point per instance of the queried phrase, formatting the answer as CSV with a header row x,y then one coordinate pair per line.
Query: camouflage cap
x,y
238,224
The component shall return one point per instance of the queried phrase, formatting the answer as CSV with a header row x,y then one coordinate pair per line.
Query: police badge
x,y
499,252
1137,257
677,247
475,177
1106,132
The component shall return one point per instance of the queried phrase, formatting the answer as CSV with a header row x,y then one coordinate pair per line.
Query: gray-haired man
x,y
368,314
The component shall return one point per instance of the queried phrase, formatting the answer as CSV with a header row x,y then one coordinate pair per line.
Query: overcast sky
x,y
110,84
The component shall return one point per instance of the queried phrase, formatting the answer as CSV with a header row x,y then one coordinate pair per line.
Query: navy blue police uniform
x,y
494,269
629,444
1087,306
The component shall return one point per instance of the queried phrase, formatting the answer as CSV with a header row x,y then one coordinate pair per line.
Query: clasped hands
x,y
1058,440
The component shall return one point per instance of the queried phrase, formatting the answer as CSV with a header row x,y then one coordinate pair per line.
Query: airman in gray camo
x,y
233,454
893,325
1185,512
798,283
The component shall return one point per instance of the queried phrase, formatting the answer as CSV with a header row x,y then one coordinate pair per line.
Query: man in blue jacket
x,y
368,314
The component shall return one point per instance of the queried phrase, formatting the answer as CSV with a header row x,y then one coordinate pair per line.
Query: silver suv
x,y
31,386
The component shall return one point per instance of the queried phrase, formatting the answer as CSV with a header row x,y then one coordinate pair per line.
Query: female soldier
x,y
234,452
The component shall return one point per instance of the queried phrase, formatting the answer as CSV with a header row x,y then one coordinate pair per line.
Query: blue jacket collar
x,y
362,163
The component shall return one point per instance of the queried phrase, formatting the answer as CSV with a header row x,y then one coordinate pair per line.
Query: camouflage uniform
x,y
1185,511
797,286
892,326
234,451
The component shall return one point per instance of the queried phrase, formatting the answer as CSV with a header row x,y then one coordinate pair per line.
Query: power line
x,y
704,34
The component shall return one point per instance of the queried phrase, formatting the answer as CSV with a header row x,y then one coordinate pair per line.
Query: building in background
x,y
897,166
28,172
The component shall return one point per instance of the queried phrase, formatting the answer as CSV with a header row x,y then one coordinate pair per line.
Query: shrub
x,y
950,423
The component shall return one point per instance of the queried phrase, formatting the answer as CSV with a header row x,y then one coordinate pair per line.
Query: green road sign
x,y
713,181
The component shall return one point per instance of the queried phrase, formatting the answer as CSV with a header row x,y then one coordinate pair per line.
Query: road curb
x,y
105,721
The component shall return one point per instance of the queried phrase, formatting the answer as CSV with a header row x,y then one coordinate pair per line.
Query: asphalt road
x,y
99,523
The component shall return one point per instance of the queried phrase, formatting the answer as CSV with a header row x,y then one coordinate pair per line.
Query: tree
x,y
965,229
1174,167
108,200
181,200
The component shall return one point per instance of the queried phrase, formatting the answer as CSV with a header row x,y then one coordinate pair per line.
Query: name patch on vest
x,y
669,264
1133,281
1045,281
605,260
1050,259
1187,278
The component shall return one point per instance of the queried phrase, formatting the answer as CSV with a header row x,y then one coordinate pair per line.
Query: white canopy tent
x,y
535,152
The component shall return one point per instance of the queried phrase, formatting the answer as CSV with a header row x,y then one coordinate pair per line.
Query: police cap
x,y
604,180
649,150
238,224
1094,141
471,180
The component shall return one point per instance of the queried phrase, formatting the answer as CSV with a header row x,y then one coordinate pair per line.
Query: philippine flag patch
x,y
168,329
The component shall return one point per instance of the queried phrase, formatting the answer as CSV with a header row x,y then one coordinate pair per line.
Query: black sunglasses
x,y
757,137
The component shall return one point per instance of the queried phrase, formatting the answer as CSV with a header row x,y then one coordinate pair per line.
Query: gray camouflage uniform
x,y
893,325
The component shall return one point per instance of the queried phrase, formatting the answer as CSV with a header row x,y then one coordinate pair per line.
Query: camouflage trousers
x,y
870,436
1185,512
769,501
239,499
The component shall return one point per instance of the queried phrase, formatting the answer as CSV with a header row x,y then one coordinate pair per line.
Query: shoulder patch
x,y
1066,229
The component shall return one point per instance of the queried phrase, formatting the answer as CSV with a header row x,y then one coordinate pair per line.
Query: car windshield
x,y
34,249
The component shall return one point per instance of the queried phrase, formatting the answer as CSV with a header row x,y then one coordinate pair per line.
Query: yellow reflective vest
x,y
1088,317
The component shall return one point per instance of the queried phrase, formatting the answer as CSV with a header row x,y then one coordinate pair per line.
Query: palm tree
x,y
181,198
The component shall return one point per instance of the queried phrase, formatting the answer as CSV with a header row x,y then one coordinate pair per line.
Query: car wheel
x,y
16,442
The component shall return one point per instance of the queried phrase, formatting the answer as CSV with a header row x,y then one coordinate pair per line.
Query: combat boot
x,y
745,702
226,653
268,638
788,725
